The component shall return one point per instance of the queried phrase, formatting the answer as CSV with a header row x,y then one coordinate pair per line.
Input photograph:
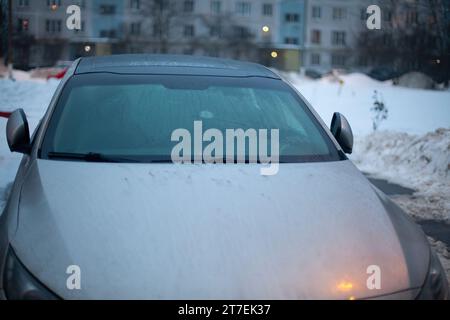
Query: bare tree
x,y
163,14
1,29
414,38
158,22
162,23
225,37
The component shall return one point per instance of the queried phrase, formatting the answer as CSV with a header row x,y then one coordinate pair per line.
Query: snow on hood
x,y
163,231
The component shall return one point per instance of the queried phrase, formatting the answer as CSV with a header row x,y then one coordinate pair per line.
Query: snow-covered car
x,y
100,210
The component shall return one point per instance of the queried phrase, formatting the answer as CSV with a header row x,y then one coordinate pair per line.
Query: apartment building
x,y
331,31
266,31
41,36
291,30
220,28
39,31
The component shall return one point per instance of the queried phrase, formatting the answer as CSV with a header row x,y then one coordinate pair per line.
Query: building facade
x,y
331,32
291,30
267,31
285,34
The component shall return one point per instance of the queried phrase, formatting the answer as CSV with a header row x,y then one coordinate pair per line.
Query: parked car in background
x,y
384,73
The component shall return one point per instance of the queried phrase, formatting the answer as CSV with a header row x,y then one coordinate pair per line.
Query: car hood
x,y
166,231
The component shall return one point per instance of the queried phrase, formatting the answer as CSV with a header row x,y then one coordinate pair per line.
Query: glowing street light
x,y
265,29
274,54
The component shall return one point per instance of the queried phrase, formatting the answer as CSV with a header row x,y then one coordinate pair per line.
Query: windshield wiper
x,y
89,157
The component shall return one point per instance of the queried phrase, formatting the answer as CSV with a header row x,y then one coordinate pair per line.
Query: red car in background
x,y
5,114
58,75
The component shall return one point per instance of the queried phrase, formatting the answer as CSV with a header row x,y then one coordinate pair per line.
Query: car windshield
x,y
133,117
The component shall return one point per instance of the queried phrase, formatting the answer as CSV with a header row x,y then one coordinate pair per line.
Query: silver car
x,y
99,209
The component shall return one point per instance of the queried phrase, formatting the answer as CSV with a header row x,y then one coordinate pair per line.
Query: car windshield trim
x,y
89,157
46,151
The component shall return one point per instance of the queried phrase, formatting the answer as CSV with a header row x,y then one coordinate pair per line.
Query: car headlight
x,y
436,285
19,284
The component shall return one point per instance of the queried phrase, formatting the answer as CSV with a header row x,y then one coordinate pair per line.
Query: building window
x,y
387,15
339,13
24,3
135,28
241,32
108,33
316,36
364,14
387,39
291,17
411,17
107,9
291,40
214,52
189,30
338,60
243,8
80,30
215,31
157,31
53,4
23,25
188,6
316,12
216,7
315,59
267,9
135,4
338,38
53,26
362,61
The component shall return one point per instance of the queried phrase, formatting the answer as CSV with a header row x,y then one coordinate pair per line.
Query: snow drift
x,y
418,161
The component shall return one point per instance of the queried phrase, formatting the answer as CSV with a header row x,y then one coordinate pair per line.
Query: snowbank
x,y
416,80
34,97
421,162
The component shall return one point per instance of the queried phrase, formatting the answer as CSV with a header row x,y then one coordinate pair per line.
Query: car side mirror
x,y
18,132
341,130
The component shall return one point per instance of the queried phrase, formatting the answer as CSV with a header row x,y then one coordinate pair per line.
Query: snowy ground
x,y
411,147
33,95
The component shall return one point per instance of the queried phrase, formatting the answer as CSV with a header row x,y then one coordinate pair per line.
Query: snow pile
x,y
20,75
356,80
421,162
416,80
32,96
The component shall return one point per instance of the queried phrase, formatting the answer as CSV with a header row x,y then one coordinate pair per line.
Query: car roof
x,y
172,64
